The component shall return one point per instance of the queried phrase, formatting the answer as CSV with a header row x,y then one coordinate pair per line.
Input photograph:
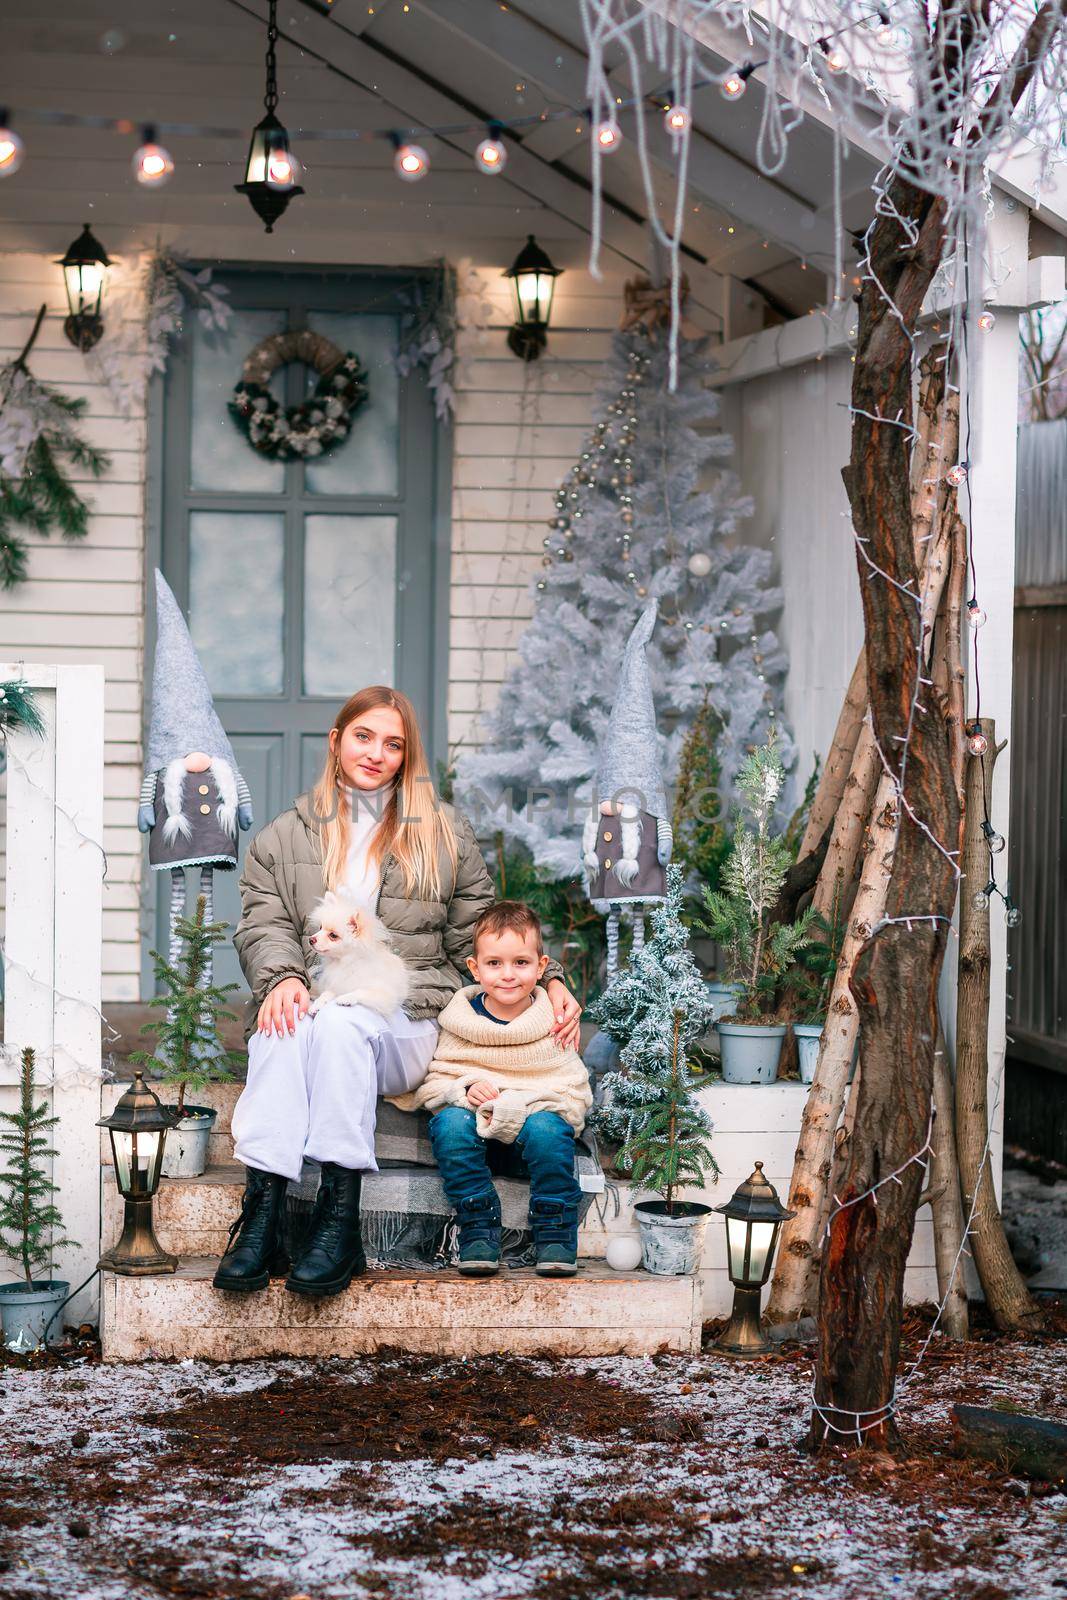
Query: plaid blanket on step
x,y
406,1218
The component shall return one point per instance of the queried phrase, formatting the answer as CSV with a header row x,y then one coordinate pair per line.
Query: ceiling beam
x,y
730,183
412,97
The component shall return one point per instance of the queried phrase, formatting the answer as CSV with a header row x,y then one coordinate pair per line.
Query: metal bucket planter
x,y
724,998
750,1051
26,1312
671,1246
808,1035
185,1152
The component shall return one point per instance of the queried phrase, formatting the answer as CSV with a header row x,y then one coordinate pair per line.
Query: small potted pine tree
x,y
31,1227
759,951
188,1050
654,1009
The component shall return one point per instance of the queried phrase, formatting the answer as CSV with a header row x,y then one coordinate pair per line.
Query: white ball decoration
x,y
699,564
623,1252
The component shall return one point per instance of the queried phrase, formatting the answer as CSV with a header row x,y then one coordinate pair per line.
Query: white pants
x,y
313,1092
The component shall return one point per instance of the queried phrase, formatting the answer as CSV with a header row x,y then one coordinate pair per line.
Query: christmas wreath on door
x,y
316,425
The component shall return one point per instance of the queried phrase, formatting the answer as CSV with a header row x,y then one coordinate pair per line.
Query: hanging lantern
x,y
85,268
533,282
272,172
754,1216
138,1128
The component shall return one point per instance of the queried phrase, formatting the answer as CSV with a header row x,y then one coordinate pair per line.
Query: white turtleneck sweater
x,y
368,807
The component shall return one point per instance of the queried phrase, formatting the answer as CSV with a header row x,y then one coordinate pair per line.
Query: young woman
x,y
374,824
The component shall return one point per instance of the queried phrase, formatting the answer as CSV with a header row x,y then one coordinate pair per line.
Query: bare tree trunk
x,y
945,1203
894,981
1005,1291
798,1251
839,761
822,1109
895,978
850,824
948,673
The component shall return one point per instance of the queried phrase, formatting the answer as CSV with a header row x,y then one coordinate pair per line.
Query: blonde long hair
x,y
418,841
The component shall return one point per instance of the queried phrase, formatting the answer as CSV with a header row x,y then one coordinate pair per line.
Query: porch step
x,y
599,1312
192,1216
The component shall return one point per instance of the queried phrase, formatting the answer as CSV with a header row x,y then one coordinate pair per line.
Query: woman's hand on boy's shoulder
x,y
567,1029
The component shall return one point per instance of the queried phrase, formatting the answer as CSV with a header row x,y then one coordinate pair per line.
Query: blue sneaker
x,y
479,1259
556,1261
479,1235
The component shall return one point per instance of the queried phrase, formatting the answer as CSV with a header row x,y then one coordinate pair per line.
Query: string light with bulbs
x,y
152,164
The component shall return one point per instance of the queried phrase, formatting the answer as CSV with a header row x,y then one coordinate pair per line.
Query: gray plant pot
x,y
185,1152
671,1247
808,1035
724,998
25,1313
750,1051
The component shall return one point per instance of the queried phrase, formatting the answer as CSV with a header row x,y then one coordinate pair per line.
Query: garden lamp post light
x,y
754,1216
138,1128
85,267
533,283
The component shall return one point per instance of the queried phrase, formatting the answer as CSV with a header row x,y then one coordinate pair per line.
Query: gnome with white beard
x,y
193,798
627,842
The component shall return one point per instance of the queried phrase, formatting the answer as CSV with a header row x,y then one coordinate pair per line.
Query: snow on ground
x,y
682,1479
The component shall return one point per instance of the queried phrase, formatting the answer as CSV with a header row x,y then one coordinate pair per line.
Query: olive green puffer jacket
x,y
282,881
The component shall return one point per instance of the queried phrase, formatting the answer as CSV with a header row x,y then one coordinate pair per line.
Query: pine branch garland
x,y
19,708
39,444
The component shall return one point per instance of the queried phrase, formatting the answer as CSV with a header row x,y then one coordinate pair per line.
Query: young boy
x,y
498,1075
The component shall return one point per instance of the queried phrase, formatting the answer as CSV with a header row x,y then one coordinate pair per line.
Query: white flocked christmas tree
x,y
646,511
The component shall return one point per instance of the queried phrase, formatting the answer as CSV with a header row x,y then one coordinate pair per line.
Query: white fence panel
x,y
52,949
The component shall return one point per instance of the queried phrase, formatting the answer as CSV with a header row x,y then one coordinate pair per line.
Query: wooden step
x,y
598,1313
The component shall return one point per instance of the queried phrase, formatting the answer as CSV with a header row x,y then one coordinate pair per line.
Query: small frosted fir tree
x,y
655,1009
630,525
758,951
30,1223
188,1049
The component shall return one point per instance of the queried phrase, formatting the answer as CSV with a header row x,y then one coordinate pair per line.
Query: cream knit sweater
x,y
520,1058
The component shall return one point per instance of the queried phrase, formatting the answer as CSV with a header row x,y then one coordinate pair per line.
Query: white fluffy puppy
x,y
357,967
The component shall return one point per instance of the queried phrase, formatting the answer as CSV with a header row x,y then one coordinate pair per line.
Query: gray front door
x,y
302,582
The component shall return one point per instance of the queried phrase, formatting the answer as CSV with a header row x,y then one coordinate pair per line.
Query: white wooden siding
x,y
791,433
83,601
519,431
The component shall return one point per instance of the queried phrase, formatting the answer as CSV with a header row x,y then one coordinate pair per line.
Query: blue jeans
x,y
545,1142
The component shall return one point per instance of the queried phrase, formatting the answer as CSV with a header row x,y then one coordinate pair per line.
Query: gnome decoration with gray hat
x,y
193,798
626,844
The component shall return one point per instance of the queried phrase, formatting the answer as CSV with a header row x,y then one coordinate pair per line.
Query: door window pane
x,y
237,599
349,602
220,456
366,463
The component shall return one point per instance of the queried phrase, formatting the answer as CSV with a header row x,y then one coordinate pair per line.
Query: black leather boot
x,y
255,1250
333,1254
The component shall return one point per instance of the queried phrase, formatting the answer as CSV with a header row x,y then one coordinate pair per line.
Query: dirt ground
x,y
665,1478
